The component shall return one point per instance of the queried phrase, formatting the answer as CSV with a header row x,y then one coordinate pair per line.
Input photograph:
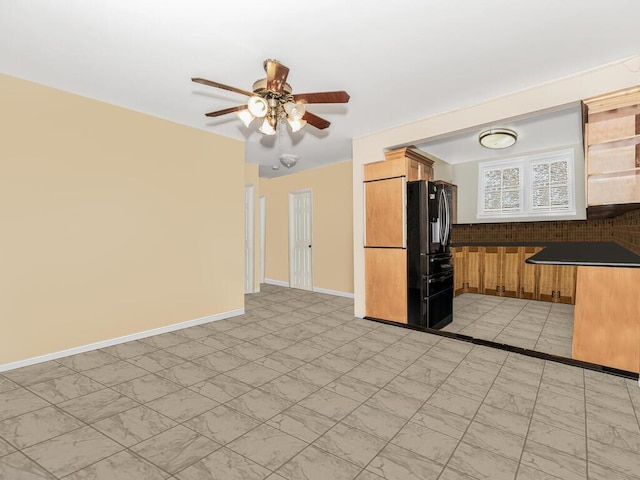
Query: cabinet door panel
x,y
385,213
459,267
606,328
547,283
386,283
473,269
385,169
528,274
511,261
566,286
491,271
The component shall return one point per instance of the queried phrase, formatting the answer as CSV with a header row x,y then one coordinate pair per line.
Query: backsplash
x,y
624,230
560,231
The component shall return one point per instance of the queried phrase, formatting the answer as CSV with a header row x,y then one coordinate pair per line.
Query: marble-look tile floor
x,y
534,325
300,389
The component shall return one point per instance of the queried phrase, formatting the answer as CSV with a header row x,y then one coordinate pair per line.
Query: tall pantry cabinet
x,y
385,242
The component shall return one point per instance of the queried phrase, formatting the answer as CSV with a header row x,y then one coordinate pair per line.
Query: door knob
x,y
309,246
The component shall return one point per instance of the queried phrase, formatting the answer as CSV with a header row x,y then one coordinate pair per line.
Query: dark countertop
x,y
593,254
506,244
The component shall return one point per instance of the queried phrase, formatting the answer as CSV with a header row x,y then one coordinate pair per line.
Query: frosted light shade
x,y
296,124
266,128
295,110
497,138
258,106
246,116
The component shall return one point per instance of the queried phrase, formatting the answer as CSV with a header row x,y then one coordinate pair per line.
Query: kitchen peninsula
x,y
607,307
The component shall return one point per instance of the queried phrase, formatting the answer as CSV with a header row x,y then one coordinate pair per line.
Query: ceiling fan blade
x,y
222,86
225,111
323,97
276,76
316,121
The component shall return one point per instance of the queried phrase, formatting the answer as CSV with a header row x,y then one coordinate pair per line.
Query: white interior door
x,y
300,236
249,220
263,236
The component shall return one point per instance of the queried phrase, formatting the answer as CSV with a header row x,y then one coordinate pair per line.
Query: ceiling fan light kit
x,y
273,99
245,116
266,127
497,138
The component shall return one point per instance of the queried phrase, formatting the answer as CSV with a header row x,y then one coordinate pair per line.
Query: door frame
x,y
249,238
290,223
263,236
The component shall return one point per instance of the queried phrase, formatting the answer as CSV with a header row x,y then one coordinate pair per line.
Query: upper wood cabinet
x,y
385,195
612,149
403,162
385,213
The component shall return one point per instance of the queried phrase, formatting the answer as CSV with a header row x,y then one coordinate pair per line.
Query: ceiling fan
x,y
273,100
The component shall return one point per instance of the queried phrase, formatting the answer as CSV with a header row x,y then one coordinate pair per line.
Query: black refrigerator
x,y
429,258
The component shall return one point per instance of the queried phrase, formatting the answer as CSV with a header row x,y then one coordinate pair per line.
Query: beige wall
x,y
332,225
370,148
113,222
251,178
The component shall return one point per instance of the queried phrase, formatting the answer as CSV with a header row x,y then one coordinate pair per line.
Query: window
x,y
502,188
527,186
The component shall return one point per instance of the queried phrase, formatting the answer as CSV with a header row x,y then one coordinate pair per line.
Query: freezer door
x,y
439,309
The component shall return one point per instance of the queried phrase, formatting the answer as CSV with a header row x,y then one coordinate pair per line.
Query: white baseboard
x,y
337,293
334,292
115,341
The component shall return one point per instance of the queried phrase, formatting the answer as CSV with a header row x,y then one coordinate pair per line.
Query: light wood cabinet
x,y
612,149
528,274
557,283
490,271
466,270
502,271
458,270
403,162
606,326
385,231
386,283
384,213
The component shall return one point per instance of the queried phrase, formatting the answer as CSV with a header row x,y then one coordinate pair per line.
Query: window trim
x,y
499,165
525,163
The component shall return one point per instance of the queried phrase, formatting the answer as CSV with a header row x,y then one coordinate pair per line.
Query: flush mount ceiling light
x,y
273,100
497,138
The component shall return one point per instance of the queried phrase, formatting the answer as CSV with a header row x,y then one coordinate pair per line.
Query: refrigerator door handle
x,y
442,215
447,217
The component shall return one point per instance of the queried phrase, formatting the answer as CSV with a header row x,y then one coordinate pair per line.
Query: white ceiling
x,y
559,127
400,61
